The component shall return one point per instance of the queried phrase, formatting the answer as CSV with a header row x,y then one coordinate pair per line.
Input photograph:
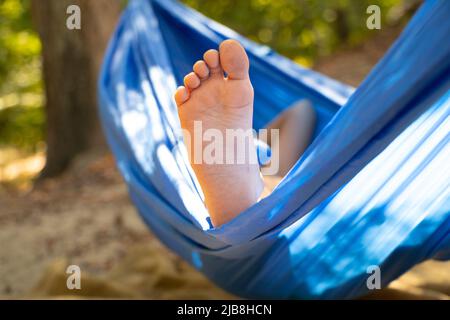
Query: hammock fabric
x,y
373,189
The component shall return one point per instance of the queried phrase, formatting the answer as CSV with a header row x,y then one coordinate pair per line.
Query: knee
x,y
304,110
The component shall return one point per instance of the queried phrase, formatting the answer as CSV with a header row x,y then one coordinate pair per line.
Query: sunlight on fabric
x,y
193,204
144,24
315,232
411,205
163,84
121,96
403,156
376,186
156,127
420,144
325,89
425,150
424,194
421,192
263,51
134,121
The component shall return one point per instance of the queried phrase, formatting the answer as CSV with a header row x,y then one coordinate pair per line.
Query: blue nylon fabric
x,y
372,189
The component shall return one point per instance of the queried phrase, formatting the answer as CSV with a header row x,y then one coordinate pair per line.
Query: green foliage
x,y
22,127
19,44
300,29
21,112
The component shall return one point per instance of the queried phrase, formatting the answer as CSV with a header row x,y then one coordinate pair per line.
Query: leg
x,y
219,104
296,125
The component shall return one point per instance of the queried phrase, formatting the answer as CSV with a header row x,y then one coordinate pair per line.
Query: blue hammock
x,y
373,189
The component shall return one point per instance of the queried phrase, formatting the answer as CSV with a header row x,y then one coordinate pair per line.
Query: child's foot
x,y
218,102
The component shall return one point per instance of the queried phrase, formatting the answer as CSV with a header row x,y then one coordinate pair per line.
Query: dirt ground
x,y
85,218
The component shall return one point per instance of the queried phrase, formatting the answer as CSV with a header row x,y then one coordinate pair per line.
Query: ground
x,y
85,217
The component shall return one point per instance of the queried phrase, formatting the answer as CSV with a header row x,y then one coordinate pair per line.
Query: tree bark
x,y
71,62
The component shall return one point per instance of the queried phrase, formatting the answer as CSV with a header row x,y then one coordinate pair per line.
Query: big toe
x,y
233,59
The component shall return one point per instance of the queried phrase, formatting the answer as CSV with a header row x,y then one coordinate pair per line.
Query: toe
x,y
181,95
211,58
233,59
191,81
201,69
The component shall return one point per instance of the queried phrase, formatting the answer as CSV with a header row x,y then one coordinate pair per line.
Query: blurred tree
x,y
21,116
71,61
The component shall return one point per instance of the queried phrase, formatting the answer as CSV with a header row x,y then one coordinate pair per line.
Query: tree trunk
x,y
341,25
71,61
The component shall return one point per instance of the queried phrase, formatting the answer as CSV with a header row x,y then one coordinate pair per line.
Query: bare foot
x,y
221,103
